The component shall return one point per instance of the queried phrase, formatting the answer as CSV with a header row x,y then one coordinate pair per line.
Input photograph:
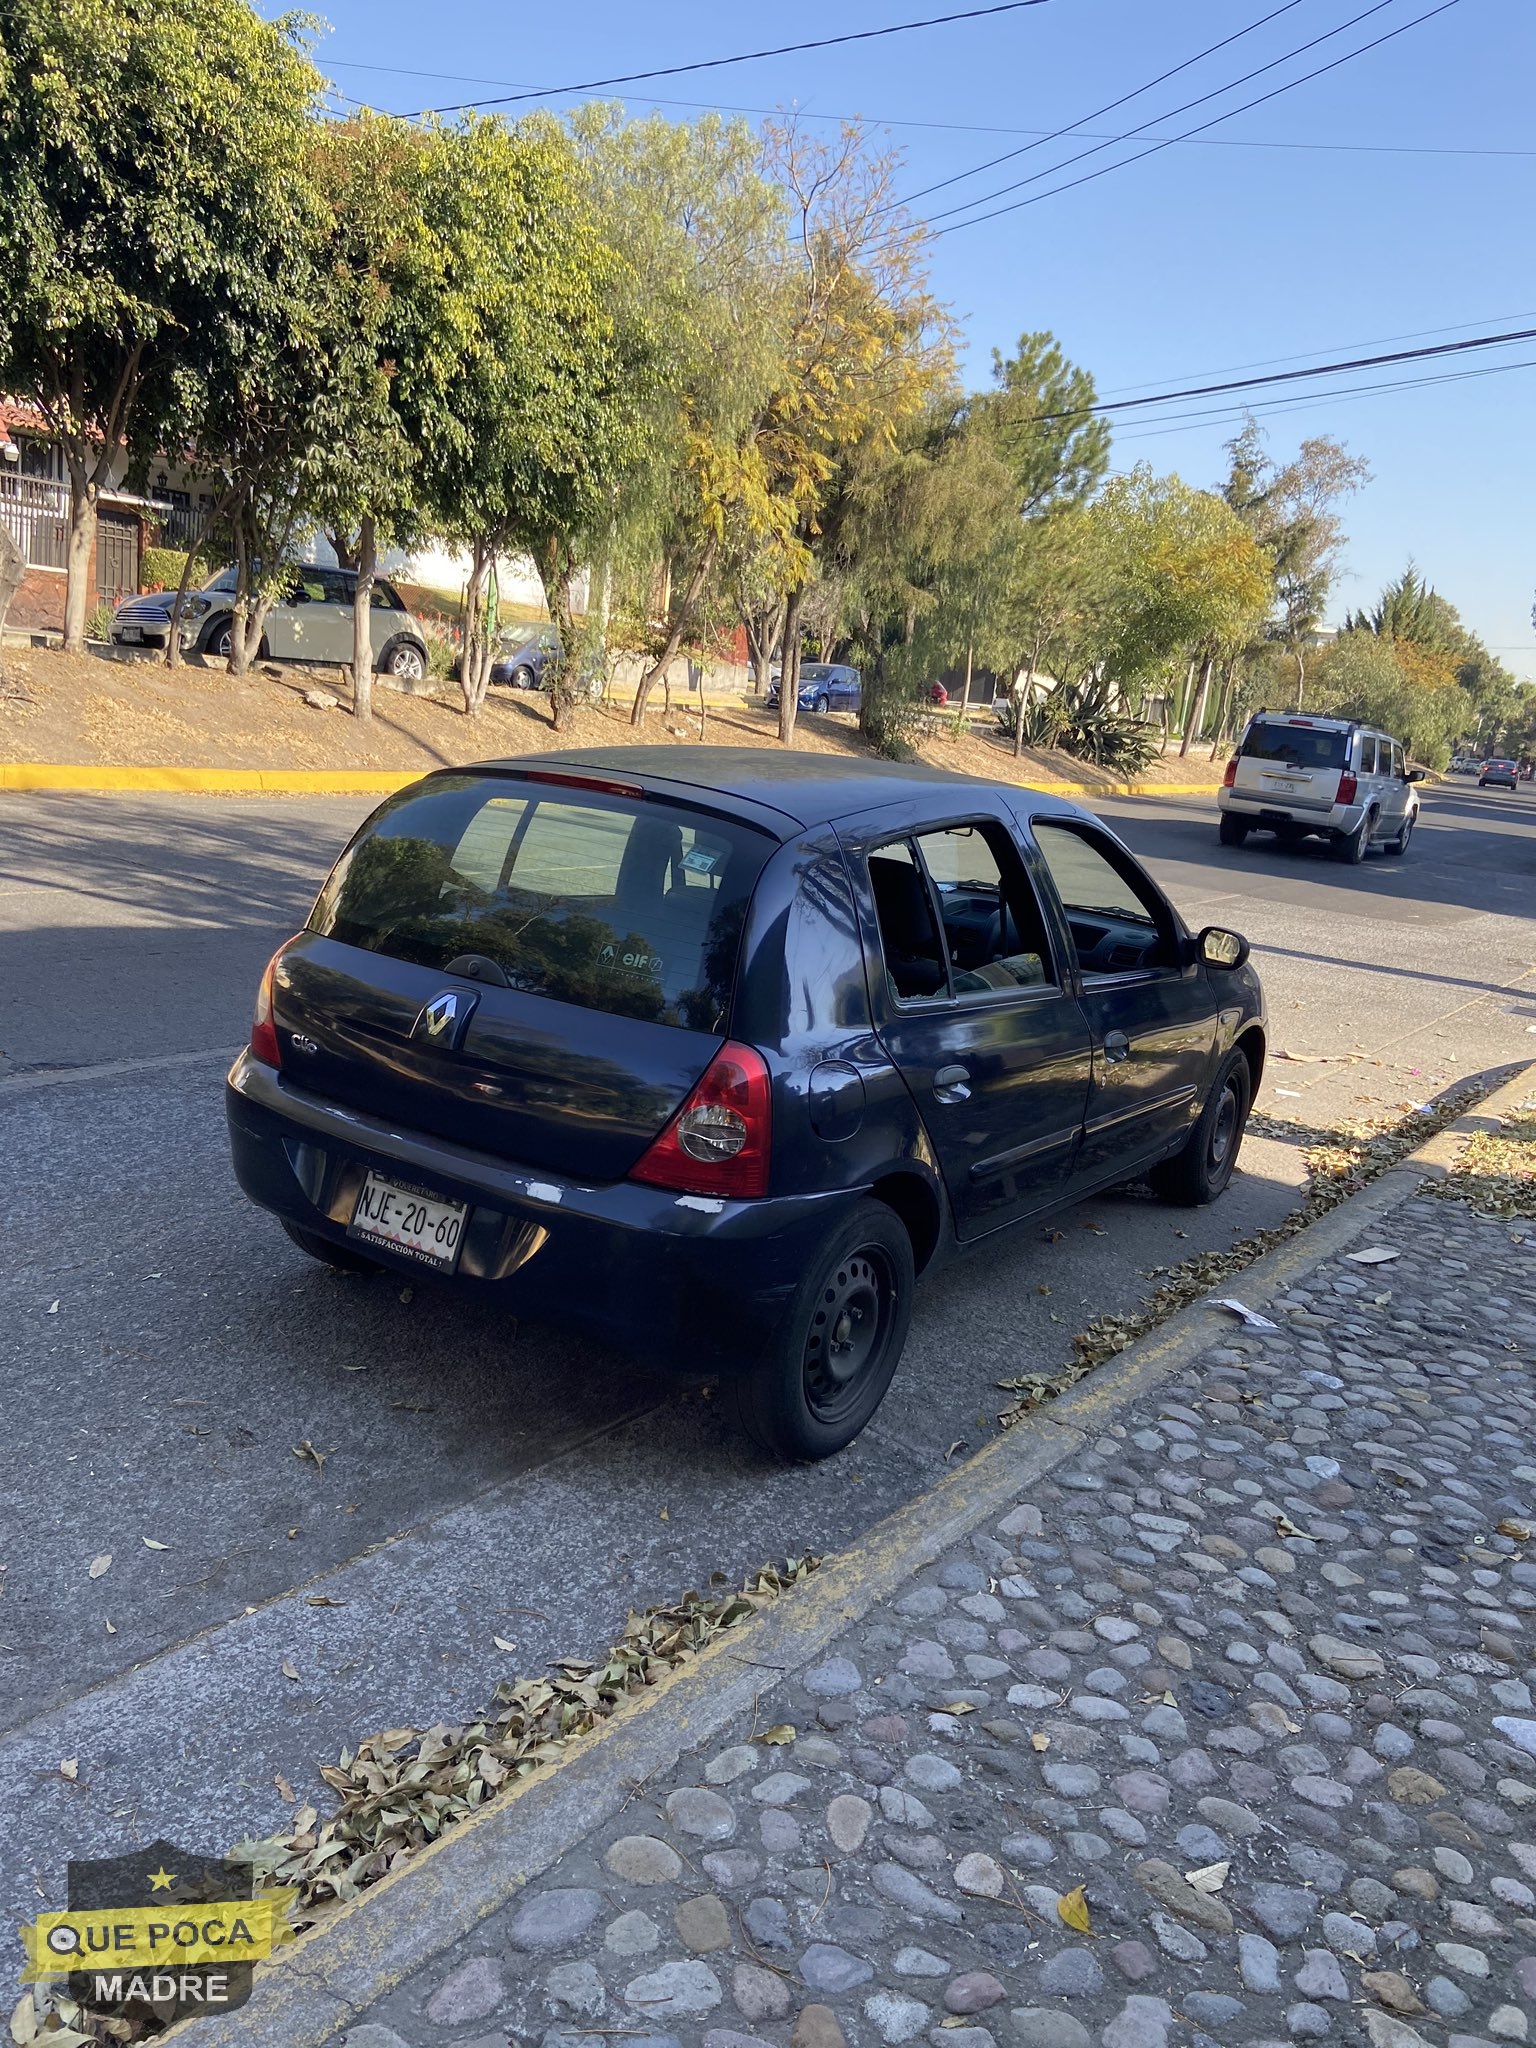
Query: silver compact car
x,y
311,621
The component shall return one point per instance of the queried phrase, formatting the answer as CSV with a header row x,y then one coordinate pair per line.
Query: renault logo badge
x,y
443,1021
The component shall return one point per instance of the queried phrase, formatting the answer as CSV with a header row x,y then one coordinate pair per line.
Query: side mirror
x,y
1414,775
1219,948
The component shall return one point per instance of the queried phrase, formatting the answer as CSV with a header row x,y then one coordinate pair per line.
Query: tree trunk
x,y
347,556
597,632
789,666
475,656
79,554
965,694
1196,719
556,571
173,637
362,620
1301,677
682,619
236,664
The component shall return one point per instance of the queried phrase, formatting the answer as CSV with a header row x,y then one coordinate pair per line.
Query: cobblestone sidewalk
x,y
1254,1671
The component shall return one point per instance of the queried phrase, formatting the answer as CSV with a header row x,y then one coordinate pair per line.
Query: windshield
x,y
1299,746
605,901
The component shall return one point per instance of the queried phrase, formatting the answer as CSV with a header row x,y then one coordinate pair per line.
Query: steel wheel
x,y
849,1329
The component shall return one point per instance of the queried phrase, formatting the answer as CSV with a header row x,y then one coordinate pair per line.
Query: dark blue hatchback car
x,y
712,1051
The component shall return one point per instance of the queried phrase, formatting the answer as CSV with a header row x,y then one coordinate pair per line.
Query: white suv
x,y
1328,777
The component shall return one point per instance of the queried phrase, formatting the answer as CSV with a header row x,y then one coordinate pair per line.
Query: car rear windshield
x,y
1301,746
594,898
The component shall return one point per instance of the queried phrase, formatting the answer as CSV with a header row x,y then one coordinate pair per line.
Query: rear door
x,y
1153,1018
971,1006
1292,764
537,970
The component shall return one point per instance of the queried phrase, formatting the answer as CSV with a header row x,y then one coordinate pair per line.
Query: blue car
x,y
712,1051
824,686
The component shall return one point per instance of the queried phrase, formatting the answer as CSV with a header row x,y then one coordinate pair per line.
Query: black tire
x,y
404,658
328,1252
1234,831
1349,847
522,679
1399,845
218,642
1201,1169
828,1366
822,704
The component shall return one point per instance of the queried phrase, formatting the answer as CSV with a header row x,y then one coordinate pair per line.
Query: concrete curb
x,y
319,1986
102,780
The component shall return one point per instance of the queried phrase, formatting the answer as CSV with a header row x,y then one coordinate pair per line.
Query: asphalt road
x,y
164,1352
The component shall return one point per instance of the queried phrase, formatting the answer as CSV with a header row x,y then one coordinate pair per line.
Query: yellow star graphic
x,y
161,1880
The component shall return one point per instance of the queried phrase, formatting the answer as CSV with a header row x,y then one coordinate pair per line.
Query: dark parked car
x,y
521,664
1499,774
311,621
712,1051
824,686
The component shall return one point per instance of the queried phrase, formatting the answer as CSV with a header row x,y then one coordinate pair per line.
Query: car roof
x,y
808,789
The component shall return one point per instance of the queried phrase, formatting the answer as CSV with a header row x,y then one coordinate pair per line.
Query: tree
x,y
148,154
1397,685
383,308
540,403
1290,510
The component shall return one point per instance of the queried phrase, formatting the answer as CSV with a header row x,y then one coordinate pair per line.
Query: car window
x,y
305,586
1295,742
1367,753
1397,759
1116,919
957,913
336,587
382,598
608,902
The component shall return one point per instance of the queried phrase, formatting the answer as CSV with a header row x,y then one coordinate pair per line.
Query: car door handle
x,y
1117,1047
952,1084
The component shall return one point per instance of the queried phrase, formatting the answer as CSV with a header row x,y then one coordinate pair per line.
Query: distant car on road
x,y
824,686
1499,773
1330,778
1466,764
712,1050
521,664
311,621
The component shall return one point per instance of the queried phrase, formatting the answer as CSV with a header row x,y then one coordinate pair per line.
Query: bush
x,y
160,569
442,647
1080,719
98,621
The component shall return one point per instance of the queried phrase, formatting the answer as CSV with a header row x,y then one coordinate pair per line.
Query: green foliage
x,y
160,569
98,623
1370,677
1083,720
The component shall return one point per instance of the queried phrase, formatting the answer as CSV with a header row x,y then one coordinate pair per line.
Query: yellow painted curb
x,y
106,779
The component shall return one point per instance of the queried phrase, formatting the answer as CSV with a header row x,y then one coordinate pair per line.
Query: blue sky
x,y
1390,198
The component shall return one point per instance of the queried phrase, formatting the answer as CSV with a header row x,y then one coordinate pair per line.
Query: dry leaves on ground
x,y
1496,1170
401,1789
1340,1161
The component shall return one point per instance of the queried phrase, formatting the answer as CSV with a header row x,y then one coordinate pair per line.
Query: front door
x,y
1152,1016
117,555
975,1013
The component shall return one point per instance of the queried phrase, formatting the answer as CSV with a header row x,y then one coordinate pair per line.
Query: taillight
x,y
719,1142
263,1030
1231,775
1347,788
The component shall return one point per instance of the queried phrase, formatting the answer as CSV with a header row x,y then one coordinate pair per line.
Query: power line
x,y
864,35
1281,408
1125,162
956,127
1172,113
1404,355
1371,341
1098,113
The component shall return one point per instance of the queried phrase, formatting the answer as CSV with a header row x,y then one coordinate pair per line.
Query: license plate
x,y
126,633
420,1225
1274,782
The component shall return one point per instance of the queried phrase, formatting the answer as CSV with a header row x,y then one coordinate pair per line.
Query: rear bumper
x,y
686,1281
1304,817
